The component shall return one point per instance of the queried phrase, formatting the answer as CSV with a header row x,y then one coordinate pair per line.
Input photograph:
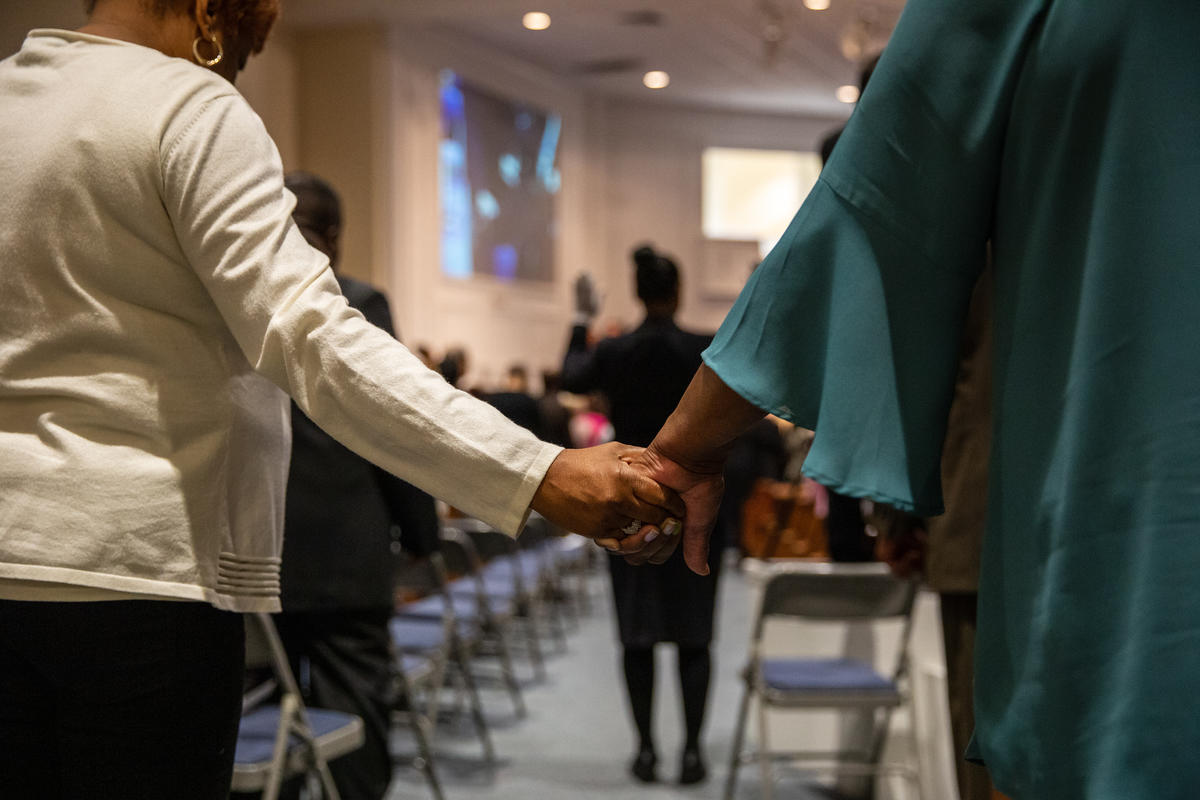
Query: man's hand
x,y
587,299
599,491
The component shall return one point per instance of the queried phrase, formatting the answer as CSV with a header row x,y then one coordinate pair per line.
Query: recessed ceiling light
x,y
847,93
536,20
656,79
816,5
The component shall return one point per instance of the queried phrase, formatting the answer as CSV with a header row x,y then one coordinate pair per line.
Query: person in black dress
x,y
643,374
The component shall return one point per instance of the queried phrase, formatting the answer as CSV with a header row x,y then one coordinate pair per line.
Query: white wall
x,y
650,188
270,84
18,17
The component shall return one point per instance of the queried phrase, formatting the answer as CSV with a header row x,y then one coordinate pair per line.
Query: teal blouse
x,y
1067,134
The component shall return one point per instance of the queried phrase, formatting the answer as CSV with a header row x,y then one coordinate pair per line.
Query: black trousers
x,y
342,659
123,700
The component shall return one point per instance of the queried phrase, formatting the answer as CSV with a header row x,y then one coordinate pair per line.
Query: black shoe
x,y
644,766
691,768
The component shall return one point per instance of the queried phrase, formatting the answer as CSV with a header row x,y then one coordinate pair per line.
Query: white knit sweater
x,y
153,296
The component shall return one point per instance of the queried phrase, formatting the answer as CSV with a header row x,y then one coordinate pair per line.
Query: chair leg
x,y
567,597
476,704
739,736
434,692
506,669
287,710
418,725
582,600
426,756
764,753
329,789
555,619
534,641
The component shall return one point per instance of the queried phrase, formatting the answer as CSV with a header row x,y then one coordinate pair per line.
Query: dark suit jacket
x,y
341,509
520,408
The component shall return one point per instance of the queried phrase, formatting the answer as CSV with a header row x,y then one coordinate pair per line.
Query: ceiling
x,y
773,56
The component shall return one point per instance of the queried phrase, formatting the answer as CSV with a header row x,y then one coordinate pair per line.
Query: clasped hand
x,y
599,492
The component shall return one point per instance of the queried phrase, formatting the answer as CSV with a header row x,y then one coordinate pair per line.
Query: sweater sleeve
x,y
222,184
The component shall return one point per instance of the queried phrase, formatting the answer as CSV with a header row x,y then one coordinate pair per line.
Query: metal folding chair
x,y
493,612
413,674
278,741
446,641
541,574
506,574
574,557
833,593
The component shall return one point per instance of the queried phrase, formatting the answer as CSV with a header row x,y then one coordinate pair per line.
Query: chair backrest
x,y
838,592
418,576
489,543
535,532
459,552
264,650
832,592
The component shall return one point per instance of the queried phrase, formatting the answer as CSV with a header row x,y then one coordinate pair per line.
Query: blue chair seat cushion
x,y
256,733
464,601
413,664
420,634
498,588
434,605
528,562
823,675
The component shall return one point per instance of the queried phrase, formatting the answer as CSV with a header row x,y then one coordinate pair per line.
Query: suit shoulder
x,y
358,292
699,341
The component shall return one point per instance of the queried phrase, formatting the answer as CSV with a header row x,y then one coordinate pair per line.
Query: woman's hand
x,y
600,491
689,453
904,544
701,490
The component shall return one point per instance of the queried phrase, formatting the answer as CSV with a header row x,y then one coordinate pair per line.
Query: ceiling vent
x,y
609,66
647,18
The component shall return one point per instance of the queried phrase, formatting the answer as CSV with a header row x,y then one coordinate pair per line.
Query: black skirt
x,y
664,603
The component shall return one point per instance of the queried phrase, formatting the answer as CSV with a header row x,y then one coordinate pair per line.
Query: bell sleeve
x,y
851,324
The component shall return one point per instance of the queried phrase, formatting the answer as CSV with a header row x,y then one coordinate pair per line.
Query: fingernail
x,y
650,537
670,528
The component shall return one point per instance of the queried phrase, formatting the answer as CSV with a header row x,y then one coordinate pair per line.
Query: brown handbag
x,y
779,521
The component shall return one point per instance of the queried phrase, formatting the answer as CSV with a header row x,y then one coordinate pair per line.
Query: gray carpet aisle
x,y
577,739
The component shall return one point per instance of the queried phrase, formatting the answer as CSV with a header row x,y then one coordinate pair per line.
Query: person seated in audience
x,y
515,402
453,366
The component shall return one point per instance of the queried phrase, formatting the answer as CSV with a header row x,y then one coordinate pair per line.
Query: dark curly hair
x,y
240,20
657,276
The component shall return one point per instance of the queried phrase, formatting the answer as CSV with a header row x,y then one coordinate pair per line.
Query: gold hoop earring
x,y
207,62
